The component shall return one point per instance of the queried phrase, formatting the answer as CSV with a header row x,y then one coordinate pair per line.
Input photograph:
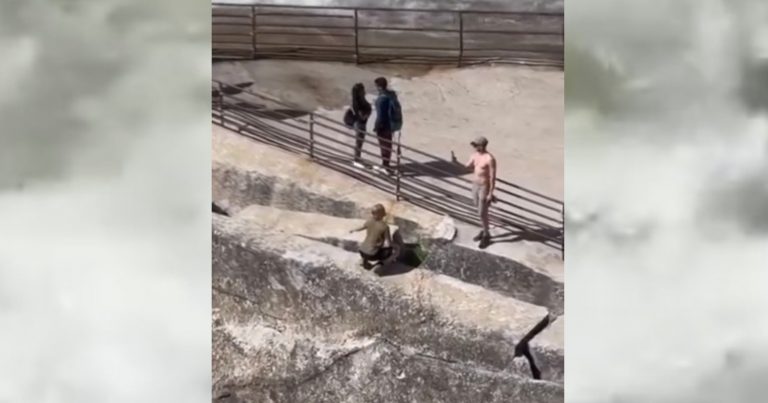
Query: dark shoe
x,y
485,241
479,236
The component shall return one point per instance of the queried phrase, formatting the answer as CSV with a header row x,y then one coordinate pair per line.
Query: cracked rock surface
x,y
297,319
368,370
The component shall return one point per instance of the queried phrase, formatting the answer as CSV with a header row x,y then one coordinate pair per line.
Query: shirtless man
x,y
483,165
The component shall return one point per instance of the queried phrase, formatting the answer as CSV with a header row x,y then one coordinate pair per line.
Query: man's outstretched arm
x,y
358,229
468,166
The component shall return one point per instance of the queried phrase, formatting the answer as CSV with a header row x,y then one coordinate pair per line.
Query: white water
x,y
667,251
104,223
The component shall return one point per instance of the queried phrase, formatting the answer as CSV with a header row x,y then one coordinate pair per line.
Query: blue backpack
x,y
395,112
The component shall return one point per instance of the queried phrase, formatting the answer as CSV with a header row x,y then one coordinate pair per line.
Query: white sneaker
x,y
379,169
358,165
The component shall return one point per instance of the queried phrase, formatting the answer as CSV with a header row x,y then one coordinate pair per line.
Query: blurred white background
x,y
104,201
667,194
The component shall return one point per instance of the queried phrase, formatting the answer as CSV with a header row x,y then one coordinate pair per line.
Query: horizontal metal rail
x,y
381,28
340,128
273,14
416,194
331,143
384,9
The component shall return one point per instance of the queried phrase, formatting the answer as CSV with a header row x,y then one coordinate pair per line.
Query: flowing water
x,y
104,178
667,191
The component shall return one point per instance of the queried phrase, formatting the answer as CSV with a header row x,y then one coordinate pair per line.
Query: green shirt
x,y
376,232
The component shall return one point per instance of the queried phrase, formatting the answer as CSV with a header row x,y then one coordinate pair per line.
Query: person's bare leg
x,y
484,219
485,236
477,195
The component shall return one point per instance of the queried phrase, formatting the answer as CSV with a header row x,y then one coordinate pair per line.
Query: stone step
x,y
246,172
465,262
513,269
250,173
311,225
323,287
332,367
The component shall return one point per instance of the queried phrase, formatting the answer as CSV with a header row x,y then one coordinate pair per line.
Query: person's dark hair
x,y
359,103
358,92
381,82
378,210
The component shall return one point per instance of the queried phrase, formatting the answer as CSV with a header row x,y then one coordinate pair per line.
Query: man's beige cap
x,y
480,141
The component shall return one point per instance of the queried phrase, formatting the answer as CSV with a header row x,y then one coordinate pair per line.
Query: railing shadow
x,y
302,132
433,169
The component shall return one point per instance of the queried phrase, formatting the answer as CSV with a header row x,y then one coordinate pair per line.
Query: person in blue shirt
x,y
388,120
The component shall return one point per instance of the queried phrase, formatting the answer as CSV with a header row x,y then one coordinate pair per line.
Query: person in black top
x,y
361,110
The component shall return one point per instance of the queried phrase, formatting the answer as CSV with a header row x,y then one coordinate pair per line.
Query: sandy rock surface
x,y
519,109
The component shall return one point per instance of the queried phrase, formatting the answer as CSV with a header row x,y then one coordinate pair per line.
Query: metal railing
x,y
420,178
378,35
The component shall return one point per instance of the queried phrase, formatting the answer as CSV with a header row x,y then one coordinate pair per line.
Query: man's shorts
x,y
479,196
381,254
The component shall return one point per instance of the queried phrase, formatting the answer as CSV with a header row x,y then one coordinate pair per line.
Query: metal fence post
x,y
399,172
357,41
312,135
461,38
221,105
253,32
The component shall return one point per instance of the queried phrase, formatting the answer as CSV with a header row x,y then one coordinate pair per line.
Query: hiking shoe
x,y
485,241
